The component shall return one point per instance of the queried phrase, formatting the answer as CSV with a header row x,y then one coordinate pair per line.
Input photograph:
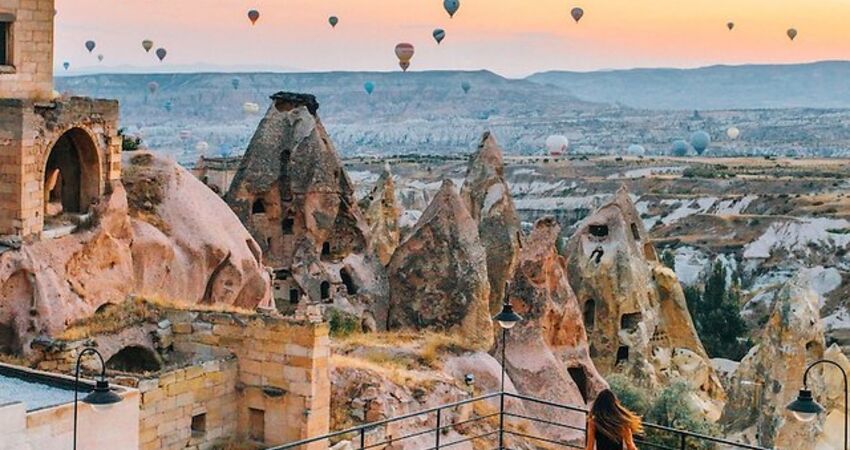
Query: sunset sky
x,y
510,37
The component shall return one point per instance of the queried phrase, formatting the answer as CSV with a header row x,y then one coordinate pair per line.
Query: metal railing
x,y
499,425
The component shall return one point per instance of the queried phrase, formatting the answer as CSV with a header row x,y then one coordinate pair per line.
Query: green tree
x,y
717,316
673,408
129,143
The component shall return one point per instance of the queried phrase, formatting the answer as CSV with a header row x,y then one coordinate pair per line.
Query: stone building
x,y
294,196
58,155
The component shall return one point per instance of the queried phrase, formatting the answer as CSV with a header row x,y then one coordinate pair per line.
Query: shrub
x,y
129,143
342,324
631,396
673,409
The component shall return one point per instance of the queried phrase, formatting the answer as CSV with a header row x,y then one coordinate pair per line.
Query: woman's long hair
x,y
612,418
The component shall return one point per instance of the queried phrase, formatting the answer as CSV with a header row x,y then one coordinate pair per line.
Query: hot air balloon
x,y
333,20
577,14
636,150
66,65
202,147
100,58
730,25
404,52
90,45
160,53
451,6
557,144
369,87
235,83
147,44
466,86
253,15
680,147
153,86
439,35
250,108
792,33
733,133
700,141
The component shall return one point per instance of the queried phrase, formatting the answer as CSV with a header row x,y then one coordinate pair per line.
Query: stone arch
x,y
134,359
72,173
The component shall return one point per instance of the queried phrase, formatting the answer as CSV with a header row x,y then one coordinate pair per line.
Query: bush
x,y
632,396
342,324
129,143
672,409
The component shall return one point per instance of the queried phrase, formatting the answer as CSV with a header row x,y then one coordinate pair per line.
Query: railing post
x,y
502,420
362,438
437,437
682,437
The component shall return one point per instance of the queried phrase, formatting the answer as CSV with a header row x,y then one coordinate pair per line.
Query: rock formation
x,y
382,214
438,275
294,196
634,308
547,353
771,374
166,237
488,199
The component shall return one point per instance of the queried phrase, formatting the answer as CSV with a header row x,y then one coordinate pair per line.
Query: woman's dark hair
x,y
612,418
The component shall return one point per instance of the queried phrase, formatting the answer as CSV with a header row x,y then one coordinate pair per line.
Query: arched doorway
x,y
71,174
134,359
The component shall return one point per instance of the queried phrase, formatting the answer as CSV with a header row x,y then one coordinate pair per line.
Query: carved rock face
x,y
382,214
488,199
438,275
634,307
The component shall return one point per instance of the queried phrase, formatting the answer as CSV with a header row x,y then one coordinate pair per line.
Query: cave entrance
x,y
599,231
622,354
258,207
134,359
325,291
326,249
8,339
635,232
348,281
590,315
630,321
579,376
71,174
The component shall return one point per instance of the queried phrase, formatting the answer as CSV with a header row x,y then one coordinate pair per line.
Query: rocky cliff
x,y
167,237
438,275
382,213
488,199
634,308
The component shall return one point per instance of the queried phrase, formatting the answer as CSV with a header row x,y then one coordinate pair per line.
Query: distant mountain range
x,y
814,85
428,112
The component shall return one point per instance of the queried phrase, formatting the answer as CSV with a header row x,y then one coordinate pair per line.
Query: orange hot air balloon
x,y
253,15
792,33
404,52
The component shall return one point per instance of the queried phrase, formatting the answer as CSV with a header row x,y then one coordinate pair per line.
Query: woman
x,y
610,425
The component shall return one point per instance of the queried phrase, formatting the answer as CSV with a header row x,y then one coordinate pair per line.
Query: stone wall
x,y
28,69
189,408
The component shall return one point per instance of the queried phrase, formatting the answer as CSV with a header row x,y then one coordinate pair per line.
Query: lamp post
x,y
101,397
507,319
805,408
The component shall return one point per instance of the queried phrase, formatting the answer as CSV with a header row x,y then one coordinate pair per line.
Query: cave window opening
x,y
8,339
622,354
348,281
635,232
134,359
257,424
589,314
199,424
326,249
258,207
596,255
288,225
599,231
579,377
325,291
630,321
294,296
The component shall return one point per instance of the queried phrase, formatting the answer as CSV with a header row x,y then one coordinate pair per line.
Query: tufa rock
x,y
634,308
438,275
382,214
488,199
547,353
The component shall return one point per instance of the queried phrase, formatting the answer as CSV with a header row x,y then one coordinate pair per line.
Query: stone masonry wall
x,y
30,74
189,408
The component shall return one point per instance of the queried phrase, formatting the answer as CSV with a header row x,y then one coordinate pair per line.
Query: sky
x,y
514,38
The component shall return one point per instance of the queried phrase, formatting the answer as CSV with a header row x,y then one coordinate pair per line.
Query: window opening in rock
x,y
635,232
599,231
258,207
325,291
134,359
257,424
8,339
622,354
288,225
630,321
199,424
596,255
589,314
579,377
348,281
326,249
294,296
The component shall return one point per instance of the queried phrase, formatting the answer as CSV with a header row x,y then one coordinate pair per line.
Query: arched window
x,y
325,291
348,281
71,174
258,207
579,377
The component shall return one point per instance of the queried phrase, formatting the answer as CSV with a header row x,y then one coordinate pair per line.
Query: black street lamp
x,y
805,408
101,398
507,319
